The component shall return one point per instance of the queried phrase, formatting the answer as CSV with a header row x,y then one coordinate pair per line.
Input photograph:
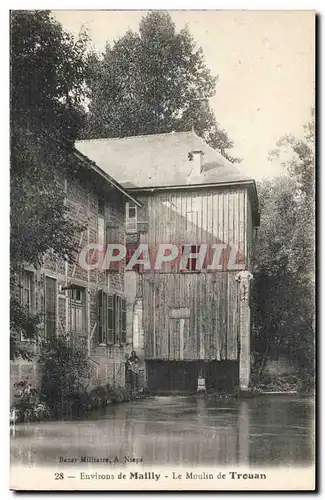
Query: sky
x,y
265,64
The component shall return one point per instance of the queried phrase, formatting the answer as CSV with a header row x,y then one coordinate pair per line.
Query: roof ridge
x,y
102,139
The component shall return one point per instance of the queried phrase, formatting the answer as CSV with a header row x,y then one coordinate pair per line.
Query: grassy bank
x,y
30,406
300,383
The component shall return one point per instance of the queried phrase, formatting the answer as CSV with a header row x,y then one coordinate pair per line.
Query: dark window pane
x,y
101,206
132,212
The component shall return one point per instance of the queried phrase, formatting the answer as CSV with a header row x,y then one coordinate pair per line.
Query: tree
x,y
283,290
154,81
47,88
297,156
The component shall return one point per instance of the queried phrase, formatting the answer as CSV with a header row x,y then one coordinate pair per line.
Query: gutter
x,y
190,186
250,183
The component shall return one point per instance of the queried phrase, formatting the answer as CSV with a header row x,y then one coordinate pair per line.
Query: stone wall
x,y
108,362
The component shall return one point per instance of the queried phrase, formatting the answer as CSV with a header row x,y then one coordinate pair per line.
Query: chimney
x,y
196,158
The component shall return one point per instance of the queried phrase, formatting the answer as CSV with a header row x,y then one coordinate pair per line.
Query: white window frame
x,y
131,223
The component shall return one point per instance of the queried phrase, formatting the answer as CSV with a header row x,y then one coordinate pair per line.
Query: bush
x,y
119,395
99,397
307,383
64,376
27,406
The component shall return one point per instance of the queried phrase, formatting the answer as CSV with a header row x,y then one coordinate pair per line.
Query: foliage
x,y
154,81
22,321
297,156
101,396
47,80
64,375
47,88
283,289
47,68
301,382
31,404
27,405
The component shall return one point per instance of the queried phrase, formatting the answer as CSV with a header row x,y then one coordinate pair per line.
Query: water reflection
x,y
177,430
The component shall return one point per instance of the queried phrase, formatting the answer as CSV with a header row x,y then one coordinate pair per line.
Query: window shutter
x,y
123,321
101,332
110,319
50,307
117,315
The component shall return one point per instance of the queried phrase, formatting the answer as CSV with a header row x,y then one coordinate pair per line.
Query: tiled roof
x,y
159,160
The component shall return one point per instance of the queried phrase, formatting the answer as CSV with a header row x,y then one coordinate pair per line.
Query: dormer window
x,y
131,218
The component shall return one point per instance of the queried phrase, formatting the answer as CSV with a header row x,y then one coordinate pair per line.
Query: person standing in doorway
x,y
132,369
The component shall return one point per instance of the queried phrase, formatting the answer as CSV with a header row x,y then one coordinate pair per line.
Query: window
x,y
26,290
131,218
132,212
77,311
27,294
191,261
112,319
50,307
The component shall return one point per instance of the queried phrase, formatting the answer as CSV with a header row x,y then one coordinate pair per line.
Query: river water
x,y
182,430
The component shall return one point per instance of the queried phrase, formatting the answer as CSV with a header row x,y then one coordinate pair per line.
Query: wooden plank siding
x,y
205,216
210,330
